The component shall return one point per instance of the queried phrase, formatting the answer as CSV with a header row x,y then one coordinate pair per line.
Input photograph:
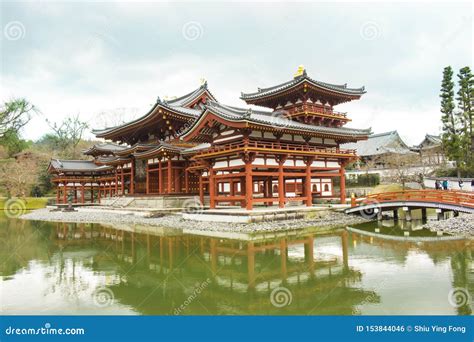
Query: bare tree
x,y
403,168
69,134
14,115
19,176
115,117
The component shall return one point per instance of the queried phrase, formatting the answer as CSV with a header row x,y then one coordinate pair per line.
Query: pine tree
x,y
465,115
450,138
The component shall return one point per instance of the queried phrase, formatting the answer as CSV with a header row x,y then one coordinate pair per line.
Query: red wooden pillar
x,y
343,185
201,189
57,193
212,188
186,178
116,182
75,192
160,177
132,178
110,189
122,186
248,185
82,194
307,184
92,192
281,185
170,175
65,192
98,192
147,178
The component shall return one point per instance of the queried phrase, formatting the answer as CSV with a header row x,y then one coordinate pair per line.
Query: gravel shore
x,y
333,219
461,225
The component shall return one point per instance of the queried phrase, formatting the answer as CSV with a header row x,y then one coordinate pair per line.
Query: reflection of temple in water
x,y
159,272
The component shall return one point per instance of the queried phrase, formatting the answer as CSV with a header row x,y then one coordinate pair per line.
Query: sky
x,y
71,58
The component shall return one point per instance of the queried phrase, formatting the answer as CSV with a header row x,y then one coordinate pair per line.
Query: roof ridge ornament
x,y
300,72
158,100
247,113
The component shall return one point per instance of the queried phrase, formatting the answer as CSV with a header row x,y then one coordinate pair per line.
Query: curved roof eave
x,y
271,91
186,112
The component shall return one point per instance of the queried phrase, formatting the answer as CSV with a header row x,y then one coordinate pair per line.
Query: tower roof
x,y
301,85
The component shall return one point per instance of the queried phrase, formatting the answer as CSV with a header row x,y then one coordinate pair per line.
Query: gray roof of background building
x,y
388,142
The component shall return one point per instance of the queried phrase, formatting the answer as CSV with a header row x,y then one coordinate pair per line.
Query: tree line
x,y
457,108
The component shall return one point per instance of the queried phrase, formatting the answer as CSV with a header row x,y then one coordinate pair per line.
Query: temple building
x,y
379,149
194,145
431,150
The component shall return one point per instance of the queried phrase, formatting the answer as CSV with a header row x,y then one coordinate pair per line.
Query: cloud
x,y
96,57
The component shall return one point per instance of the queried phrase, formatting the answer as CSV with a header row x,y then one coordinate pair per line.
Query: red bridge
x,y
442,200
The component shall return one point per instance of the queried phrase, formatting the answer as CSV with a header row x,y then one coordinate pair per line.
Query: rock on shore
x,y
461,225
333,219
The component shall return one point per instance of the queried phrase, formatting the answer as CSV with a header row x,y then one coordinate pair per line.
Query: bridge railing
x,y
462,198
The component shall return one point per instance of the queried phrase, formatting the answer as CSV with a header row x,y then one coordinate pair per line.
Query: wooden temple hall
x,y
286,151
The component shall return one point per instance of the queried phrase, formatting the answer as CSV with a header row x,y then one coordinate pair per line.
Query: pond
x,y
78,269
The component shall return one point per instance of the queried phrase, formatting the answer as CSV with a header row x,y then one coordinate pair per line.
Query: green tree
x,y
450,138
465,115
13,143
15,114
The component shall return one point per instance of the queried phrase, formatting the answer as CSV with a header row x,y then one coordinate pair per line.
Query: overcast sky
x,y
89,58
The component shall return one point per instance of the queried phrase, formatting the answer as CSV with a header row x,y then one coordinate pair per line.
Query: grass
x,y
29,202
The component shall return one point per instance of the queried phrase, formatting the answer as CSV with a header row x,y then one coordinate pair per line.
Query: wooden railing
x,y
314,108
277,146
463,198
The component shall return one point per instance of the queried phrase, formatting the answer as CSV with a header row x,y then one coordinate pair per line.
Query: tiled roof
x,y
276,120
161,146
76,165
341,89
185,100
175,105
388,142
105,147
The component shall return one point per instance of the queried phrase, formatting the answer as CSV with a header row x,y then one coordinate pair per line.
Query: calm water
x,y
56,268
